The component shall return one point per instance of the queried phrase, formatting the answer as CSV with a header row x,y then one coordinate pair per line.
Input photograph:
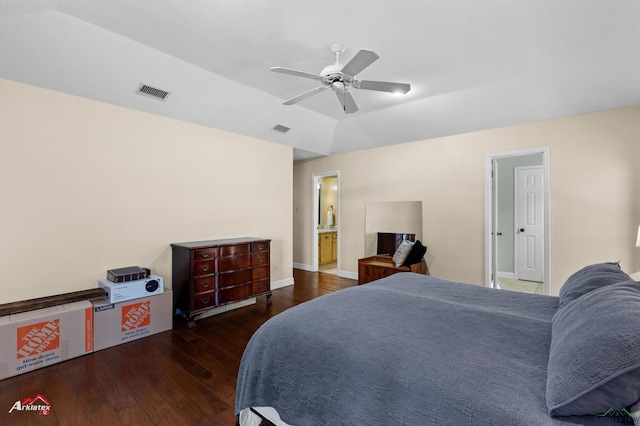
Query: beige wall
x,y
87,186
594,192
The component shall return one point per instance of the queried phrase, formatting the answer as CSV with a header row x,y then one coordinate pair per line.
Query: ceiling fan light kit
x,y
340,78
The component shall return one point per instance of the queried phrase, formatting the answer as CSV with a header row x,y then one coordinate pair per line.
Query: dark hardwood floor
x,y
179,377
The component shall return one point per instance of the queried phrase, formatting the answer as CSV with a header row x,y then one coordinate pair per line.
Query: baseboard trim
x,y
342,274
349,275
303,266
225,308
282,283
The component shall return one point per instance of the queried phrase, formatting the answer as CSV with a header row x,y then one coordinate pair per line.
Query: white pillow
x,y
402,252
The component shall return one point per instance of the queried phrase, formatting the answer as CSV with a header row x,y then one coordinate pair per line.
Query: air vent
x,y
280,128
152,92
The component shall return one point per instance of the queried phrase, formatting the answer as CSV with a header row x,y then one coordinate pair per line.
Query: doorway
x,y
517,220
326,222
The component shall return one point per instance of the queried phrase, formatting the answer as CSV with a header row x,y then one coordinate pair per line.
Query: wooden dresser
x,y
376,267
208,274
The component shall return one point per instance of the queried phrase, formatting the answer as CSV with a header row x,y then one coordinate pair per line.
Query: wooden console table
x,y
376,267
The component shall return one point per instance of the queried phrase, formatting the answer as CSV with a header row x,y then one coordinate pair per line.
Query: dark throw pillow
x,y
417,253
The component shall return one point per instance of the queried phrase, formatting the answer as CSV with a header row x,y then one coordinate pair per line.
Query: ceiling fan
x,y
341,77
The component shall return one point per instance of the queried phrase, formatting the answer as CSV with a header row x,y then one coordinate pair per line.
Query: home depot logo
x,y
37,338
38,403
136,315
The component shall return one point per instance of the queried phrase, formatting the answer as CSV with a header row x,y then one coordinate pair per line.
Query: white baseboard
x,y
225,308
342,274
303,267
281,283
349,275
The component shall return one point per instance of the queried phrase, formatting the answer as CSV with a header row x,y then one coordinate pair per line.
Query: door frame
x,y
316,218
490,213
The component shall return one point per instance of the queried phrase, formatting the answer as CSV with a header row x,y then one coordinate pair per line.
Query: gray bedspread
x,y
405,350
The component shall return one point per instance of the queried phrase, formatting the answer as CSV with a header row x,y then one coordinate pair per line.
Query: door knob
x,y
521,229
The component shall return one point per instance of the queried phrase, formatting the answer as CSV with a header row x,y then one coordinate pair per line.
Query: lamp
x,y
638,240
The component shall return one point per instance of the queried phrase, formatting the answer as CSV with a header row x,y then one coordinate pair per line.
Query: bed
x,y
412,349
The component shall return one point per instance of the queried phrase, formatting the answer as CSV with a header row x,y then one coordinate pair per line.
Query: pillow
x,y
417,253
594,358
590,278
402,252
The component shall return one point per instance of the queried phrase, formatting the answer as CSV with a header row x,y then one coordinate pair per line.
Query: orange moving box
x,y
39,338
117,323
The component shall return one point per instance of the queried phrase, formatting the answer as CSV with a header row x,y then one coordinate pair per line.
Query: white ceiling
x,y
472,65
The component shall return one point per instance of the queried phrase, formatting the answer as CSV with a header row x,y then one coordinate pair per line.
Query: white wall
x,y
87,186
594,190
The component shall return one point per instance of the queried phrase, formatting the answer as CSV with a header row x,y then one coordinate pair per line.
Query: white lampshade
x,y
638,240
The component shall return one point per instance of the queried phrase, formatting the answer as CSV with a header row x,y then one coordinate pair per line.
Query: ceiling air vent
x,y
152,92
280,128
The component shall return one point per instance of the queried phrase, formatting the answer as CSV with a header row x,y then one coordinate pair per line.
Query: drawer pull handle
x,y
260,273
204,253
261,259
205,284
261,287
205,267
205,301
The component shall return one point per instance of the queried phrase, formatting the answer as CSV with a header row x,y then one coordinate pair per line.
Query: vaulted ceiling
x,y
472,65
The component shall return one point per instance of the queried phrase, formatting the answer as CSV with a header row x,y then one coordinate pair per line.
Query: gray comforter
x,y
405,350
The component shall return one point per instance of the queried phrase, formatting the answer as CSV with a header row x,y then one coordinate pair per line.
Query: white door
x,y
530,223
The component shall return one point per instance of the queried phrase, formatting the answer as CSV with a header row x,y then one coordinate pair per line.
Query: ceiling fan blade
x,y
305,95
297,73
383,86
363,59
348,104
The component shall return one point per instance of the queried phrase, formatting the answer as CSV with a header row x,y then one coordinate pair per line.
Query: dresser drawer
x,y
205,253
234,262
228,279
260,286
234,250
204,300
260,246
234,293
204,267
204,284
260,258
260,273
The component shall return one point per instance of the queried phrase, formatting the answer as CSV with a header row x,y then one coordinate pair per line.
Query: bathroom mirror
x,y
400,217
